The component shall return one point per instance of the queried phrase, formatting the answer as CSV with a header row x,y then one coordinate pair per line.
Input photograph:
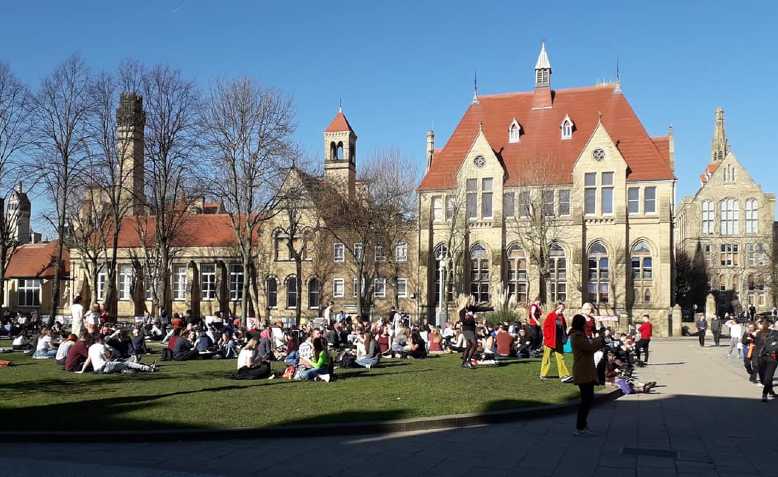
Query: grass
x,y
36,395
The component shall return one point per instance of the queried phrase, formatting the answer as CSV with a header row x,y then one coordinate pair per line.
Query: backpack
x,y
289,372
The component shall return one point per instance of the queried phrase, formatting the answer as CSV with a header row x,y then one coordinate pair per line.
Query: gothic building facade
x,y
726,229
581,160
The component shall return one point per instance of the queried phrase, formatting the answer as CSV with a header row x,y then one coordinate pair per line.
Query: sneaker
x,y
272,376
543,378
325,377
764,398
567,379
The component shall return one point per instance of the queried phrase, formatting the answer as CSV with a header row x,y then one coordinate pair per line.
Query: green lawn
x,y
38,395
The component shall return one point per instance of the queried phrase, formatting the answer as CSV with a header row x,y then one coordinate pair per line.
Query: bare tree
x,y
537,224
171,109
60,112
457,229
247,132
14,135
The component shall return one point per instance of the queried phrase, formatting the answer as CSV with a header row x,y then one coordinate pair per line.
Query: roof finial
x,y
475,86
340,104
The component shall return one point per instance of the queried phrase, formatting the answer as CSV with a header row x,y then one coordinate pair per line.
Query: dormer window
x,y
567,128
514,132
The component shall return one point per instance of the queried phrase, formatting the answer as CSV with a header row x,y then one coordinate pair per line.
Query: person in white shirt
x,y
735,335
327,312
77,314
250,365
44,348
64,347
102,362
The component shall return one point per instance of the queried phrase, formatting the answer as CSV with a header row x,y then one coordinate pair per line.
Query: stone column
x,y
677,317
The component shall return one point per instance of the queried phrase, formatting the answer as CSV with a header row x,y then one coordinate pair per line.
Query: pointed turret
x,y
340,152
543,98
720,147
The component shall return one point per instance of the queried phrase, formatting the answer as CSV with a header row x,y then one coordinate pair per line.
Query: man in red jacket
x,y
646,330
554,337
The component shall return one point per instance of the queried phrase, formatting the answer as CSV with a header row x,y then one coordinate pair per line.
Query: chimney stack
x,y
430,147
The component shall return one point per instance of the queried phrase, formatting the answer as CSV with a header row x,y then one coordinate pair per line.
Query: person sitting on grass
x,y
44,349
137,345
103,362
400,343
321,363
228,348
92,319
250,365
504,342
204,346
78,353
384,343
184,349
435,341
64,347
418,347
367,351
523,344
120,343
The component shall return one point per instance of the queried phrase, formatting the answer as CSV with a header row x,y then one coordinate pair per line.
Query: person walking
x,y
750,357
768,358
584,372
715,328
702,328
735,335
554,337
646,330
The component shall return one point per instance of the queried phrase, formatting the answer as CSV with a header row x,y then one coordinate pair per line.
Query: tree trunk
x,y
299,279
163,283
244,299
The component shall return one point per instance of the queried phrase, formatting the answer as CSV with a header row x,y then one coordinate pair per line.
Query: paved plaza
x,y
704,419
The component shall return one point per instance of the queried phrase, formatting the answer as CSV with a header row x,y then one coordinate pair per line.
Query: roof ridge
x,y
555,90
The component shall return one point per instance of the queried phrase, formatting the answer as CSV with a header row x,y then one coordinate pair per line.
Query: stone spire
x,y
543,99
720,147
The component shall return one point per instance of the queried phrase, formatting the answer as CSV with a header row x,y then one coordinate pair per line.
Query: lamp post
x,y
440,314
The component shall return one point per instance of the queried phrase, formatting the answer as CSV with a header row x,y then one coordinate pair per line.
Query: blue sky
x,y
403,67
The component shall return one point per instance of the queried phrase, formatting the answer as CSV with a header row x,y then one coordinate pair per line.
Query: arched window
x,y
736,284
722,282
729,216
514,132
598,277
567,128
333,150
271,285
642,270
752,216
517,273
647,295
339,151
401,251
557,283
314,292
708,217
440,255
291,292
479,274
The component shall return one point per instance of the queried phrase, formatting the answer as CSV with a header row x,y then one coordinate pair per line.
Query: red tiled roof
x,y
339,124
197,230
37,260
712,167
541,136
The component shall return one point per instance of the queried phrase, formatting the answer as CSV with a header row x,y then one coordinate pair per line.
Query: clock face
x,y
479,161
598,154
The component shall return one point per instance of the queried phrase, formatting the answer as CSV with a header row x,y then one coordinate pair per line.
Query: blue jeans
x,y
44,354
310,374
366,361
292,358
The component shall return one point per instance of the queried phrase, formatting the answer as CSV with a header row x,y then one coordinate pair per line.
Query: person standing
x,y
646,330
533,321
735,335
715,328
584,372
752,312
767,346
554,337
77,316
749,355
702,328
467,321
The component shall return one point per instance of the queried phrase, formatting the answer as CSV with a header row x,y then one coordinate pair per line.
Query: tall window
x,y
471,191
379,253
508,204
517,273
179,282
649,200
567,128
486,197
437,208
590,193
271,284
101,279
548,203
440,254
291,291
125,282
598,277
338,288
28,292
208,281
606,194
752,216
564,202
708,217
359,250
314,292
401,251
339,252
451,207
557,283
479,274
402,288
236,281
524,203
730,255
729,216
642,271
514,132
633,200
379,287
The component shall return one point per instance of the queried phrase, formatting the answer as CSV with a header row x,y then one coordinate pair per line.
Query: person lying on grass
x,y
102,361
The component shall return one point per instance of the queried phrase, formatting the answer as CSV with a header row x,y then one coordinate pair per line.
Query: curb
x,y
313,430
